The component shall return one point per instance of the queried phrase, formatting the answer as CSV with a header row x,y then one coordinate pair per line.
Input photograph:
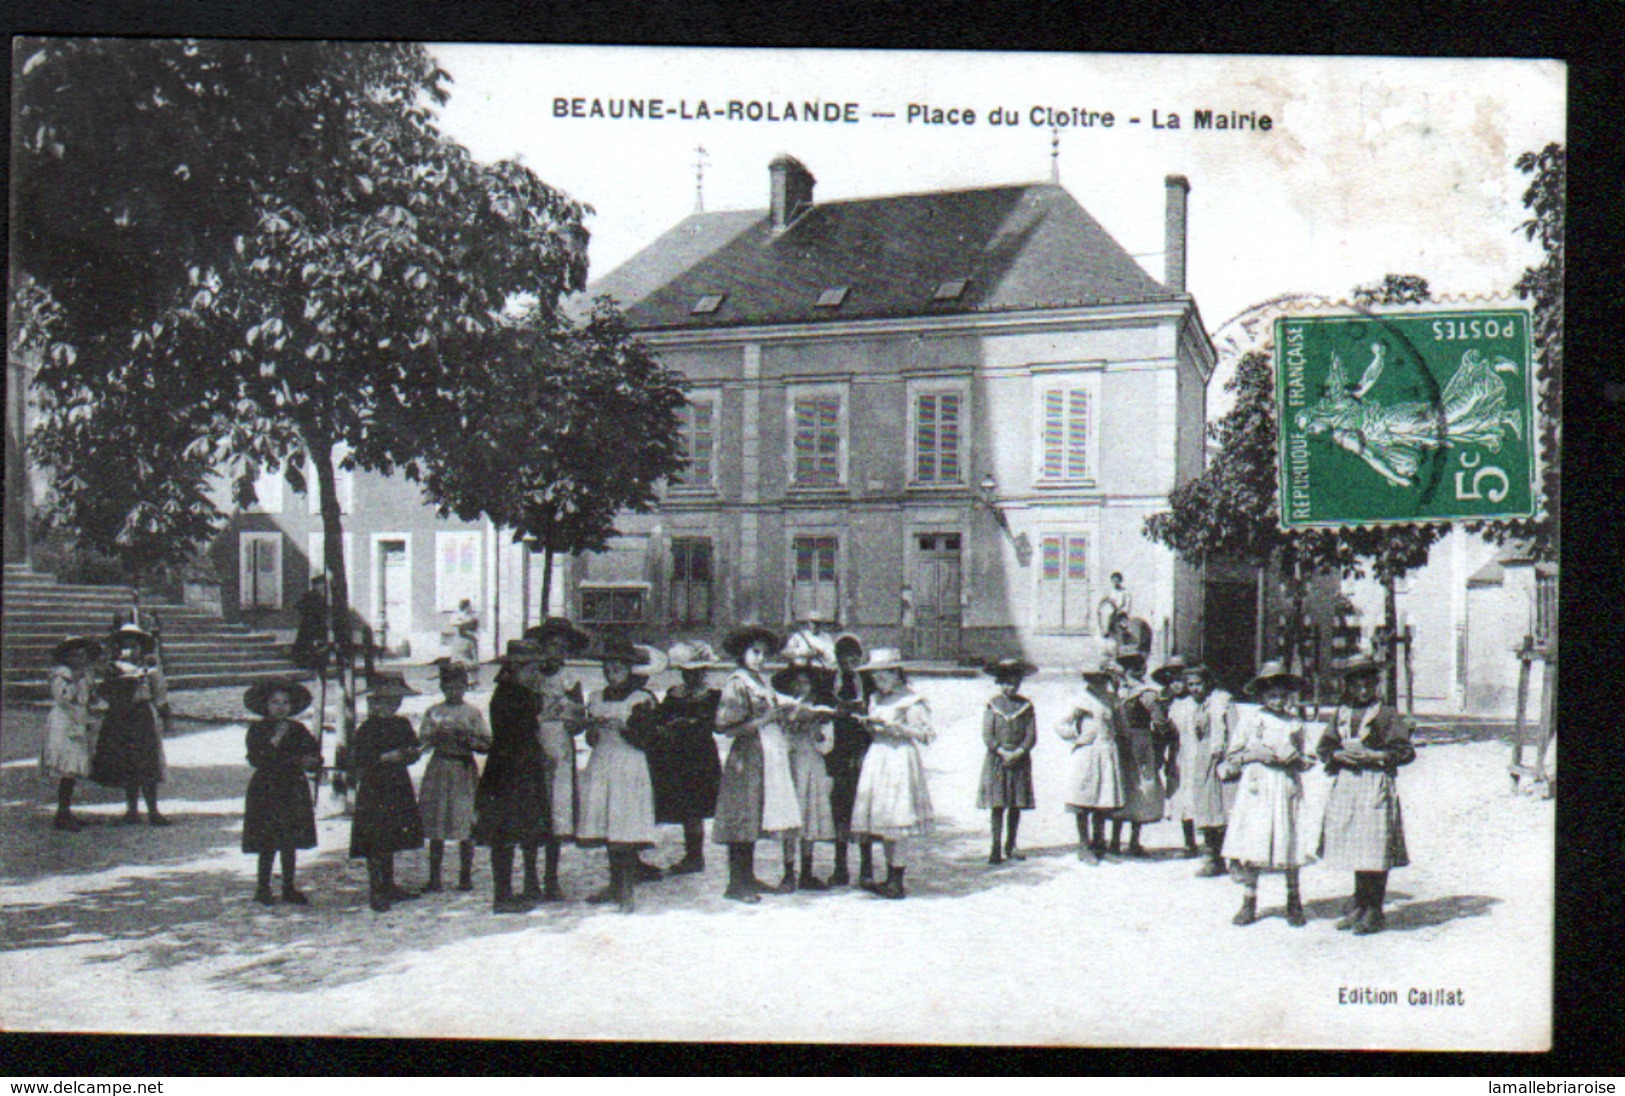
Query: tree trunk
x,y
338,581
496,593
1390,614
524,585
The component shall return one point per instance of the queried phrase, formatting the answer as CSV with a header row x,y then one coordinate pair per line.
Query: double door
x,y
938,617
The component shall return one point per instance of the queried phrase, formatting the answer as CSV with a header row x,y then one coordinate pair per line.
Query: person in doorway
x,y
455,730
1269,751
893,804
811,644
65,755
386,819
1117,603
844,762
757,796
465,641
1009,731
682,755
617,797
279,811
561,702
513,802
1094,787
1203,718
130,747
1143,799
811,735
1363,830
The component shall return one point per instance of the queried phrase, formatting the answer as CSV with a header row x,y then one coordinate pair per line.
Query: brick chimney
x,y
1173,271
792,190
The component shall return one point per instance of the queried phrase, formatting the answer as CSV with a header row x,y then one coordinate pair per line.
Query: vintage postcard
x,y
764,545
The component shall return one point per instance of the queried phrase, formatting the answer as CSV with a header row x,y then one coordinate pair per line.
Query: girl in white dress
x,y
811,734
893,802
617,797
1094,787
65,756
1269,751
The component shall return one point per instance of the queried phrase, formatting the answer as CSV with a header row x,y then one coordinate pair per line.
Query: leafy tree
x,y
1543,285
568,428
1231,511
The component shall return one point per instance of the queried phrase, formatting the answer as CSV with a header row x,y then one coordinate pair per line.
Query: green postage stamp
x,y
1405,417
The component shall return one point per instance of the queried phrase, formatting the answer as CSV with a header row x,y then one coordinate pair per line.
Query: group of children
x,y
1177,747
826,750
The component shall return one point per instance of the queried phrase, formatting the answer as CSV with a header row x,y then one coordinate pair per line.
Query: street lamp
x,y
988,498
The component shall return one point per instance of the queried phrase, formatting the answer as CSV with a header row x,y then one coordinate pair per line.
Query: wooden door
x,y
1230,630
815,588
937,616
394,591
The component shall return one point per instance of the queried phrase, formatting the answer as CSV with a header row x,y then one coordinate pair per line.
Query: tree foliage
x,y
1232,510
569,427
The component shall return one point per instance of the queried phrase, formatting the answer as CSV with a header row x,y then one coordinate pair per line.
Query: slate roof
x,y
1016,247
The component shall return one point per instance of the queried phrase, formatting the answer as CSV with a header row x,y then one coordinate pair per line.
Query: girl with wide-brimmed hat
x,y
1202,718
893,802
1144,800
65,755
1094,787
130,746
757,796
1363,829
561,699
682,755
386,819
844,762
279,812
1268,750
617,797
455,730
1009,731
513,802
810,734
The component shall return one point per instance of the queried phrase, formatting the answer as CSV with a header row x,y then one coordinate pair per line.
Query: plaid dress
x,y
1264,824
1363,828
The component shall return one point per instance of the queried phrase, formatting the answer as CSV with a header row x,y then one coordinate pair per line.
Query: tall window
x,y
1066,434
1063,582
690,580
697,422
936,437
814,588
456,569
259,570
816,425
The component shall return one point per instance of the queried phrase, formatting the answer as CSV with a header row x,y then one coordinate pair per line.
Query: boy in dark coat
x,y
512,804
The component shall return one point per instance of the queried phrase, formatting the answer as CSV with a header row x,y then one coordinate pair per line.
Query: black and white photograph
x,y
581,542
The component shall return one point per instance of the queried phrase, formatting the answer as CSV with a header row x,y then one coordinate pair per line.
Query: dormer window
x,y
950,290
707,304
832,298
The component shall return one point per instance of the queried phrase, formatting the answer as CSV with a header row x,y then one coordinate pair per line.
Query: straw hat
x,y
60,653
1004,668
785,680
255,697
451,670
647,660
850,647
1274,672
813,616
693,654
521,650
389,685
1165,674
575,640
740,640
1358,666
130,633
884,658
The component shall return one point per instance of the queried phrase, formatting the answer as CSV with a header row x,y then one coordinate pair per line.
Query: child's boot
x,y
866,865
1294,903
262,892
1248,912
291,893
693,850
377,888
551,891
809,881
739,888
533,882
1189,828
1012,825
1210,854
840,877
465,865
893,886
503,900
1374,921
437,854
627,896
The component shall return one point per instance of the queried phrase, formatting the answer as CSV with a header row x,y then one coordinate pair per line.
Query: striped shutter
x,y
1063,582
936,438
818,441
1066,434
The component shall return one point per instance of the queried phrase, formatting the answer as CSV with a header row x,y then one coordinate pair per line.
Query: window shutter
x,y
925,439
948,438
806,440
1077,434
817,442
703,438
1051,583
1076,605
1054,434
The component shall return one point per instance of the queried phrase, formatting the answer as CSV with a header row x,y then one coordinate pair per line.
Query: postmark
x,y
1414,416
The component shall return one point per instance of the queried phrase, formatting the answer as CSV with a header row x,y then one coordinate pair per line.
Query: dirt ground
x,y
153,930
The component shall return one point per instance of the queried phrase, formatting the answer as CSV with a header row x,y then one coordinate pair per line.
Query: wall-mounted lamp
x,y
988,498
